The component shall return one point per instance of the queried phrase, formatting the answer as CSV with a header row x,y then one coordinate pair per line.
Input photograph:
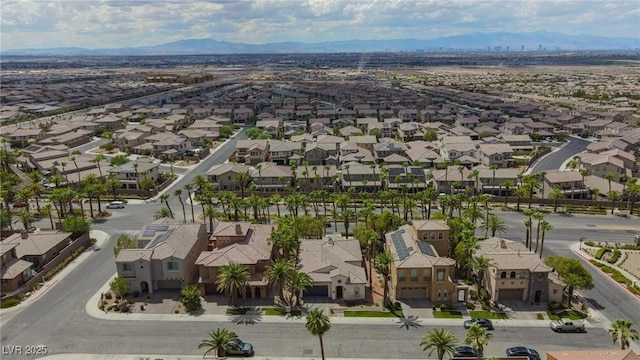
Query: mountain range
x,y
533,41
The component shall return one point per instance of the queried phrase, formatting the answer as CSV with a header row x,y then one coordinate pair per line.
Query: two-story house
x,y
411,178
131,174
418,271
569,182
241,243
362,177
15,271
252,152
498,154
280,152
270,177
225,175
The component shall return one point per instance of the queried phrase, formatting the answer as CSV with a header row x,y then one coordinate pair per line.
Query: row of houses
x,y
172,255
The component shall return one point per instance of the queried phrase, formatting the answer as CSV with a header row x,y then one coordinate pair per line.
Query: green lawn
x,y
372,313
570,314
281,312
488,315
447,314
237,311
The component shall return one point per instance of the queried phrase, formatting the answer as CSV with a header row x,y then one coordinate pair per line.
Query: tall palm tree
x,y
189,188
622,331
609,177
439,340
231,279
47,208
613,197
480,265
220,341
540,217
318,324
298,283
165,199
545,226
478,337
383,265
555,195
210,213
178,193
495,224
508,184
98,159
278,274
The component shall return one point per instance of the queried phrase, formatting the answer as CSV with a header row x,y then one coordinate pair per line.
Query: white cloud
x,y
119,23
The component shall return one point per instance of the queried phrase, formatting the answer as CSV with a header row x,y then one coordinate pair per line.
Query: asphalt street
x,y
553,160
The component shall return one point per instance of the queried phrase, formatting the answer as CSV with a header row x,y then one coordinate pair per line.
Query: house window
x,y
439,294
26,274
426,274
512,275
503,275
555,291
440,275
446,293
414,274
522,275
172,266
356,290
127,267
440,236
401,275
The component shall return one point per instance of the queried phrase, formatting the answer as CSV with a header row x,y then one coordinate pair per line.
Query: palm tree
x,y
540,217
165,199
508,184
439,340
220,340
98,159
383,265
478,337
47,208
609,177
298,283
243,179
495,224
493,168
278,273
162,213
555,195
231,279
210,213
545,226
622,331
189,188
596,193
318,324
614,196
480,265
178,193
346,216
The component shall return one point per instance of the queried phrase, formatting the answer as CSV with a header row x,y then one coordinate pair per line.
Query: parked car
x,y
464,352
115,205
523,351
19,204
564,325
485,323
240,348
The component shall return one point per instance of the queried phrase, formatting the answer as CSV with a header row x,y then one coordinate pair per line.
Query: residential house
x,y
387,147
252,152
418,271
410,131
280,152
492,181
364,141
452,179
518,273
131,174
241,243
316,177
497,154
269,126
270,177
413,178
224,176
21,137
602,164
362,177
241,115
334,264
569,182
435,232
166,257
317,154
15,271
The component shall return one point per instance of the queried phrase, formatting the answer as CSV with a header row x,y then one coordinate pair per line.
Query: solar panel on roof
x,y
149,230
426,248
417,171
400,246
394,171
160,239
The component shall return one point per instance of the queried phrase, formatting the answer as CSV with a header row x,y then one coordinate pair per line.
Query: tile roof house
x,y
519,274
15,271
270,177
166,256
335,266
224,175
418,271
238,242
569,182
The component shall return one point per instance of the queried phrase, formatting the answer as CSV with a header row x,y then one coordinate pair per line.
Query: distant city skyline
x,y
132,23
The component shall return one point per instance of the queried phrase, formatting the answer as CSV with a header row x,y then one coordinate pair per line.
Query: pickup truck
x,y
564,325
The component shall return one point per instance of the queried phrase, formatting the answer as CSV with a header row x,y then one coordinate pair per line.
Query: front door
x,y
144,287
460,295
339,292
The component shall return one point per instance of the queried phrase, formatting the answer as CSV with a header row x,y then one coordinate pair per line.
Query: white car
x,y
115,205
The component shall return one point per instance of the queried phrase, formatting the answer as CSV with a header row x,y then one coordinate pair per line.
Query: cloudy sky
x,y
121,23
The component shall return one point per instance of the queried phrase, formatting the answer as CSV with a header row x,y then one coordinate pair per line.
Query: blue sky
x,y
122,23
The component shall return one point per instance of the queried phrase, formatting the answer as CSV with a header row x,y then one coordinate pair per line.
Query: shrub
x,y
614,258
108,296
590,243
142,307
555,306
634,289
9,303
124,309
21,296
471,306
600,253
176,311
540,317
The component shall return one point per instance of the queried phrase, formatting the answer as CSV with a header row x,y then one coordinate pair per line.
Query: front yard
x,y
488,315
373,313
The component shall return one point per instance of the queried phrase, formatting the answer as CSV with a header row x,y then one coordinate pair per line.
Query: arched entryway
x,y
537,297
144,287
461,296
339,292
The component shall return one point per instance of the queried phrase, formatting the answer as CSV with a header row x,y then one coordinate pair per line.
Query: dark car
x,y
20,204
464,352
485,323
240,348
523,351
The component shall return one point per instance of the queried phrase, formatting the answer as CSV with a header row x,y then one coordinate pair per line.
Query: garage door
x,y
413,292
317,291
169,284
511,294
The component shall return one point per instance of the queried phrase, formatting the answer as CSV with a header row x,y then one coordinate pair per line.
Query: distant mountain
x,y
540,40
